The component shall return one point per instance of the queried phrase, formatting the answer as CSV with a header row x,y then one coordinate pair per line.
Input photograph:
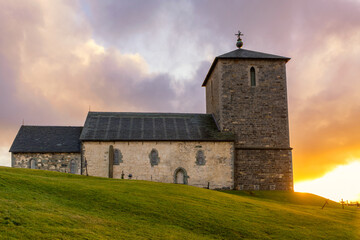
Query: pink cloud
x,y
57,58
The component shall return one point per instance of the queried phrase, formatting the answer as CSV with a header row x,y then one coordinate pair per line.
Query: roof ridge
x,y
149,113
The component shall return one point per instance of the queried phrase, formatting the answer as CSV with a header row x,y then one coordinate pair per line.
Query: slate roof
x,y
47,139
243,54
247,54
120,126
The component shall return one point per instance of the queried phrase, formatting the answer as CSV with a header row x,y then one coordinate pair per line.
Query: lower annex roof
x,y
47,139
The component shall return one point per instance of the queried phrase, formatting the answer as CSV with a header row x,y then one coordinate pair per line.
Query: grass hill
x,y
37,204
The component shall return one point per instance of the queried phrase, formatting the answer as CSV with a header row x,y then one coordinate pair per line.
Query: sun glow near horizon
x,y
341,183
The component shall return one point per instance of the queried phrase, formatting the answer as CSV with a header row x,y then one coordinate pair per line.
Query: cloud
x,y
59,57
326,131
52,70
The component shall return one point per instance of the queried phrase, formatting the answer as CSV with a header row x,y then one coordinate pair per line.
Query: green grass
x,y
38,204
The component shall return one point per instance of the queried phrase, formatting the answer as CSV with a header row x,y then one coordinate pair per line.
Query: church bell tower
x,y
246,93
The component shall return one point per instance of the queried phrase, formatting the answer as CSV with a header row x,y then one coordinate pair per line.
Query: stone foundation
x,y
261,169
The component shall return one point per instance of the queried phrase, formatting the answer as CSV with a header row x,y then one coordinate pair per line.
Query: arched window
x,y
72,166
252,76
117,157
154,157
200,158
32,164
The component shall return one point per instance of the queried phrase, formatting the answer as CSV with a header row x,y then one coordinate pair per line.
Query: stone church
x,y
242,142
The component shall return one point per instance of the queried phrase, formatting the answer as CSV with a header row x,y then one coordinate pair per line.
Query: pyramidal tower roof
x,y
243,54
247,54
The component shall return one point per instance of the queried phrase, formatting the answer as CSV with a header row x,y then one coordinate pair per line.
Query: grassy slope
x,y
48,205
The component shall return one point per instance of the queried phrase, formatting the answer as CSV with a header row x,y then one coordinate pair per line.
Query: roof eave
x,y
159,140
23,151
209,72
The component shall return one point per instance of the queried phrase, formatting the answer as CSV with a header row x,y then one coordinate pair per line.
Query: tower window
x,y
252,77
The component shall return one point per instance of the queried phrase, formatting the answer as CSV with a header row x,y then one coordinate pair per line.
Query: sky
x,y
58,59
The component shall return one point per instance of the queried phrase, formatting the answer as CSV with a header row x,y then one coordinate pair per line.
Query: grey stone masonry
x,y
60,162
267,169
258,116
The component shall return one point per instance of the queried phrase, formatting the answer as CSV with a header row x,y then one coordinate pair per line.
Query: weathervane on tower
x,y
239,42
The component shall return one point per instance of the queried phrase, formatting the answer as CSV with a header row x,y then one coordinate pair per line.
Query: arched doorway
x,y
180,176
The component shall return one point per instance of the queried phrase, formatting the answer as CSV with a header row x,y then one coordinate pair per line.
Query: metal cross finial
x,y
239,34
239,42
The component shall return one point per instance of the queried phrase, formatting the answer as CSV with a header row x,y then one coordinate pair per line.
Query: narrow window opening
x,y
117,157
154,157
72,167
252,76
200,158
33,164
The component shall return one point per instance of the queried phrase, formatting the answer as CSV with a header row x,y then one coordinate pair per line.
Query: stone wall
x,y
202,162
213,95
59,162
258,116
263,170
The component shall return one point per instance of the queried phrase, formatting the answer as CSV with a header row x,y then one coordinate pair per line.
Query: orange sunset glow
x,y
60,58
341,183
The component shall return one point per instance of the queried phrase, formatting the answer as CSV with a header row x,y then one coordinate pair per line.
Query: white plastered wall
x,y
218,169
